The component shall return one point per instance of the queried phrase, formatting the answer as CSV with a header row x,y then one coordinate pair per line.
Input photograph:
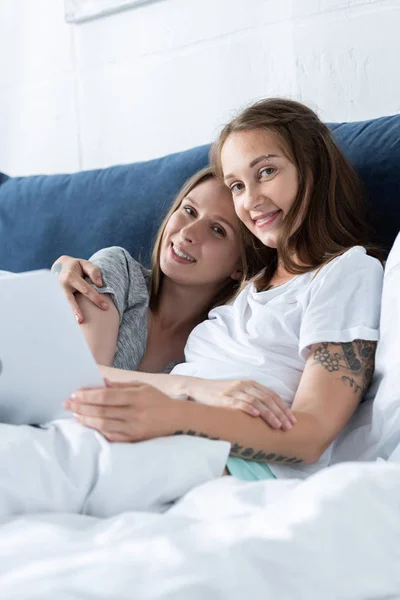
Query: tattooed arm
x,y
334,380
330,389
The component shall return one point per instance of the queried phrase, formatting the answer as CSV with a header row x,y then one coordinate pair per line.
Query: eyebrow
x,y
216,217
254,163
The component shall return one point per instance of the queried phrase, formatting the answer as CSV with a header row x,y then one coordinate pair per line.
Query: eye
x,y
267,171
219,230
190,210
236,187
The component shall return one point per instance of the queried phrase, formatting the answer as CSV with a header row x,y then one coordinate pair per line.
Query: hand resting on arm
x,y
71,272
335,377
101,332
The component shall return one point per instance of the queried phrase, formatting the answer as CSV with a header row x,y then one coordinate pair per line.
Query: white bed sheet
x,y
334,536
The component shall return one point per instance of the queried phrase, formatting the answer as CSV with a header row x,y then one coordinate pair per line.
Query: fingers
x,y
66,264
70,272
107,413
116,436
280,409
273,417
272,414
113,422
248,408
74,305
111,429
75,282
286,410
92,272
122,397
266,404
112,417
256,408
96,397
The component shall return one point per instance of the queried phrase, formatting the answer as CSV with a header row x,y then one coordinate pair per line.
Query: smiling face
x,y
200,245
262,180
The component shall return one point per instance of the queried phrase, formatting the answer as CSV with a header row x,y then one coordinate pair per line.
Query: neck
x,y
181,308
280,271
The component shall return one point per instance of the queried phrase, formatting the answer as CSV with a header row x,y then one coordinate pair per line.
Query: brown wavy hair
x,y
249,255
329,205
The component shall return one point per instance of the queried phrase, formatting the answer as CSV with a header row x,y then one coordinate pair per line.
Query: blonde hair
x,y
249,263
329,204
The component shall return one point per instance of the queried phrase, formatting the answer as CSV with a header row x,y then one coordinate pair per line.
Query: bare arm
x,y
335,377
247,395
333,381
172,385
100,328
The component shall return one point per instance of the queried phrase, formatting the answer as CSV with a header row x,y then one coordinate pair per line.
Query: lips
x,y
181,255
266,218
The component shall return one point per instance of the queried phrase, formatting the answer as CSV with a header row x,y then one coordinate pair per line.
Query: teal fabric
x,y
249,470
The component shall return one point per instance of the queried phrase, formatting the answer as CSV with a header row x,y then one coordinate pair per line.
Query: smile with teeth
x,y
182,254
267,218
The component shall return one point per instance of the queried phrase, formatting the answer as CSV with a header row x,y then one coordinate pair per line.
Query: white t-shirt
x,y
266,336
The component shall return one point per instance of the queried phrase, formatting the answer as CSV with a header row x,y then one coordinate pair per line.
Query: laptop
x,y
44,356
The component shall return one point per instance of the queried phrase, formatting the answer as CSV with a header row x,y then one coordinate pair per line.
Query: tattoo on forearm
x,y
193,432
57,268
248,453
352,384
357,358
260,456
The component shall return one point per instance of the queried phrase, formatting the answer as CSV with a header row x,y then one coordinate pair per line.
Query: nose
x,y
192,232
252,199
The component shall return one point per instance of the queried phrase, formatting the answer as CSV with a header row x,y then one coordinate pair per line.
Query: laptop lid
x,y
44,356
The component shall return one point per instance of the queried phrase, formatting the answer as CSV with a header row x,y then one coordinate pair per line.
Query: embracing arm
x,y
334,379
246,395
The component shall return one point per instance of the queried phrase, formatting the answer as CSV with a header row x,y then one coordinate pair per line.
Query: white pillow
x,y
374,431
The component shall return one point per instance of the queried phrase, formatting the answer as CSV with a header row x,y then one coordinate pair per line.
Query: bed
x,y
333,536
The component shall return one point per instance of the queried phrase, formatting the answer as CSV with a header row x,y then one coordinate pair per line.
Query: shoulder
x,y
351,279
342,301
355,263
116,254
117,257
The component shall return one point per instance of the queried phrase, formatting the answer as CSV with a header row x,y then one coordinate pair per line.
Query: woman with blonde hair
x,y
199,260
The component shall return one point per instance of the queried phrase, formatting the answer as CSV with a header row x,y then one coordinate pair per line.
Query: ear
x,y
237,275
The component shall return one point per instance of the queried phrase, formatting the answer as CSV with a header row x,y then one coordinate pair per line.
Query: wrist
x,y
185,385
177,417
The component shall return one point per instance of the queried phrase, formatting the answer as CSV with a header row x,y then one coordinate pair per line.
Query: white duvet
x,y
334,536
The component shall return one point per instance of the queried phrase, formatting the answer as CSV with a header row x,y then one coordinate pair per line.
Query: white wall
x,y
165,76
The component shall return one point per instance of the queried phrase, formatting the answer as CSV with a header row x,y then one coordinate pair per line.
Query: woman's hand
x,y
246,395
71,272
125,412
